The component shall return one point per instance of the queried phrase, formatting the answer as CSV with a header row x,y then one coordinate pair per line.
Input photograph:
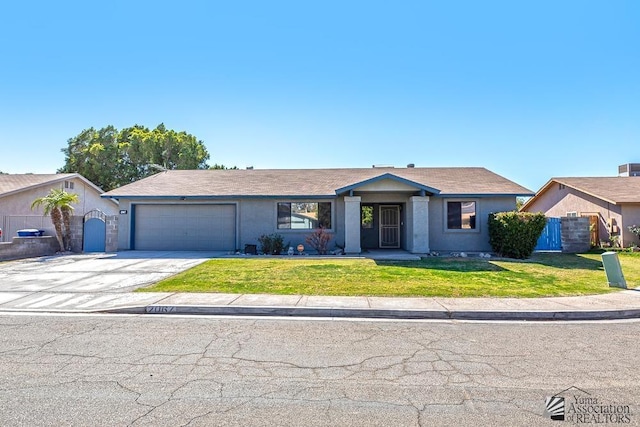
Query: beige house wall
x,y
631,215
88,199
16,212
557,202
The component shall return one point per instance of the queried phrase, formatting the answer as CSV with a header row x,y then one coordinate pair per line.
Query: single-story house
x,y
612,203
18,191
416,209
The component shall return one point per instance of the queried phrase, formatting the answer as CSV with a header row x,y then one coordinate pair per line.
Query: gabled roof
x,y
390,177
465,181
612,189
15,183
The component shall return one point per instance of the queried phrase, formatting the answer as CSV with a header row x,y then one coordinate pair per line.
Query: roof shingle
x,y
614,189
10,183
311,182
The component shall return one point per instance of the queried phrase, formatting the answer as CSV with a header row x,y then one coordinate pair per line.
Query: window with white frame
x,y
572,214
304,215
461,215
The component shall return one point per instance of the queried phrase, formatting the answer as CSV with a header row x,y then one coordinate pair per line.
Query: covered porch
x,y
386,213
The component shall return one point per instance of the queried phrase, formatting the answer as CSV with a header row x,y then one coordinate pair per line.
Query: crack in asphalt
x,y
226,369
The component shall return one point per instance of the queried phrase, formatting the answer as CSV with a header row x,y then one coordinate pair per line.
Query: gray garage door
x,y
185,227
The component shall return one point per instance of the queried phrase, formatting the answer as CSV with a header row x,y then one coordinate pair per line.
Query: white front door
x,y
390,226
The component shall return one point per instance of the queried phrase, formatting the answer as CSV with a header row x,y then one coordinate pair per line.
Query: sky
x,y
528,89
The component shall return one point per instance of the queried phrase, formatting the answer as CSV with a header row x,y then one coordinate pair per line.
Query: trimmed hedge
x,y
515,234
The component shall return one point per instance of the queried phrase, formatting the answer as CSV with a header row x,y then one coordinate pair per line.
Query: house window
x,y
304,215
572,214
68,184
367,216
461,215
561,187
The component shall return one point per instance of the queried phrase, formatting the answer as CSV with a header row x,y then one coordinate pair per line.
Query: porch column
x,y
352,224
418,208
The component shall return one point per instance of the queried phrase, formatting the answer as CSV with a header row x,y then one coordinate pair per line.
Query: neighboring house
x,y
612,203
18,191
416,209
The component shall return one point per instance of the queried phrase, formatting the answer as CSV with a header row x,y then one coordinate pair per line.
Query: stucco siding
x,y
557,203
254,217
443,240
631,215
124,226
16,212
88,199
260,216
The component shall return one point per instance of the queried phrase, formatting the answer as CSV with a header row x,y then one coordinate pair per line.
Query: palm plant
x,y
66,199
57,204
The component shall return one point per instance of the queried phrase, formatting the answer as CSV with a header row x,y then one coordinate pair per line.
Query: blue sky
x,y
528,89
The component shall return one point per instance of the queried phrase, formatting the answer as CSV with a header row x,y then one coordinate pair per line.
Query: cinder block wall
x,y
77,233
28,247
575,234
111,242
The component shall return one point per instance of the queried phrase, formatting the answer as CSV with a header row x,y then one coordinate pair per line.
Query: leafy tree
x,y
221,166
112,158
57,204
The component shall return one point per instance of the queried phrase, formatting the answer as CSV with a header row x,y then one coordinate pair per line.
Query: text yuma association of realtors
x,y
591,410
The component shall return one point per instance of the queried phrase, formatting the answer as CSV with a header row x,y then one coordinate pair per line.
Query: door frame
x,y
381,226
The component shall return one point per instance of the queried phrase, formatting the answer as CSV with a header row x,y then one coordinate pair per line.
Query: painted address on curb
x,y
160,309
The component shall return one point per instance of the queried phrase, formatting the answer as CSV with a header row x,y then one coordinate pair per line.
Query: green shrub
x,y
271,244
515,234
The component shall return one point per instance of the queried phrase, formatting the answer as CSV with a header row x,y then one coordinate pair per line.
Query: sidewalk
x,y
619,305
104,283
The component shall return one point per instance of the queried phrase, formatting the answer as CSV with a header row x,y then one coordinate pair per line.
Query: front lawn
x,y
542,275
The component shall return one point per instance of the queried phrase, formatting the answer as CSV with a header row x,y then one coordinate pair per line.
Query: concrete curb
x,y
364,313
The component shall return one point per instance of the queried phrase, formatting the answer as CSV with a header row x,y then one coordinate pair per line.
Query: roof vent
x,y
382,166
411,165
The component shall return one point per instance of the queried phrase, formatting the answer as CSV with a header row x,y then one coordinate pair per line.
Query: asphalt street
x,y
108,370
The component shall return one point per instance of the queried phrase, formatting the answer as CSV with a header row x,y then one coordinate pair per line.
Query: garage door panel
x,y
185,227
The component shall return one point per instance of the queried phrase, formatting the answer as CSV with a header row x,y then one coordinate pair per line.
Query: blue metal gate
x,y
550,240
95,231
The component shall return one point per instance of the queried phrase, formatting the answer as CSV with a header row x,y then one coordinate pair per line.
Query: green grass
x,y
542,275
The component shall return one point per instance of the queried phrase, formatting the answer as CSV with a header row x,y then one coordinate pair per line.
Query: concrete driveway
x,y
81,282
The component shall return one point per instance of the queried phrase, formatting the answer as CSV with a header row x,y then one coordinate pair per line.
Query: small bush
x,y
515,234
271,244
319,240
